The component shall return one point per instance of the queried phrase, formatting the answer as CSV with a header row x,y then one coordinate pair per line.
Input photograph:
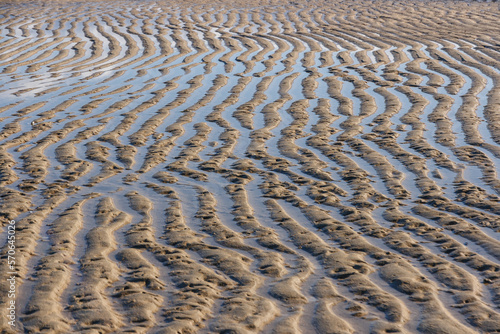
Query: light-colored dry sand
x,y
251,167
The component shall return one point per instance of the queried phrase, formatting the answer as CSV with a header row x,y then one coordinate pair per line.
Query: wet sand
x,y
251,167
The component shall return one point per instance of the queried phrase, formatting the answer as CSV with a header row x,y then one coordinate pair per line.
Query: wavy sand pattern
x,y
252,168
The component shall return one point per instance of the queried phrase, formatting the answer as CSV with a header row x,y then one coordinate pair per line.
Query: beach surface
x,y
250,167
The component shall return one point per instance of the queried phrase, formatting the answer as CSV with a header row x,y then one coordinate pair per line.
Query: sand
x,y
251,167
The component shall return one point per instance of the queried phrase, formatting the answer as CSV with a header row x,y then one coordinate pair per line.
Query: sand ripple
x,y
264,168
